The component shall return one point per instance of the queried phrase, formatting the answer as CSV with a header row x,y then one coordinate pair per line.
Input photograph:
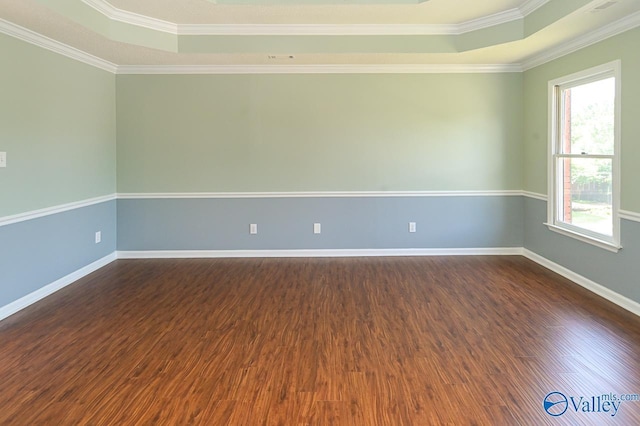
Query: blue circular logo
x,y
555,404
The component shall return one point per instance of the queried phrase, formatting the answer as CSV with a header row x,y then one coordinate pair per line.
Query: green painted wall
x,y
57,125
624,47
209,133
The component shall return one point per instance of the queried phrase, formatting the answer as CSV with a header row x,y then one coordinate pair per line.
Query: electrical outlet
x,y
317,228
3,159
412,227
98,237
253,228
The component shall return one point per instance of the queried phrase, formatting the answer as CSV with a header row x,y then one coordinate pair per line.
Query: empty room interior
x,y
320,212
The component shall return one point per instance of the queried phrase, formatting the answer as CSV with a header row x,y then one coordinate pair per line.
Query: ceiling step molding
x,y
126,17
501,17
322,69
32,37
120,15
531,6
625,24
316,29
489,21
618,27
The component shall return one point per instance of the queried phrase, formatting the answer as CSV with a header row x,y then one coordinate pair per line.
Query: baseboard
x,y
612,296
592,286
182,254
51,288
602,291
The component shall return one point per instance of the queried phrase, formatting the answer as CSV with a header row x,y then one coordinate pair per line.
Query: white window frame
x,y
611,243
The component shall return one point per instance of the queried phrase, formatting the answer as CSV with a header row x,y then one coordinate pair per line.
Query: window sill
x,y
585,238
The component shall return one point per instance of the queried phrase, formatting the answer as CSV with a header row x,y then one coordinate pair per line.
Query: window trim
x,y
610,69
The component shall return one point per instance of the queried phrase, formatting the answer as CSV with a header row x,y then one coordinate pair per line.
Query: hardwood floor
x,y
359,341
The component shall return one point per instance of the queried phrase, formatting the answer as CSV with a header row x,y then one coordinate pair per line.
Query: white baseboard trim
x,y
592,286
612,296
602,291
51,288
194,254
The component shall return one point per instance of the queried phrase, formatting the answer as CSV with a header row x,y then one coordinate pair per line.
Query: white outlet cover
x,y
3,159
253,228
317,228
98,237
412,227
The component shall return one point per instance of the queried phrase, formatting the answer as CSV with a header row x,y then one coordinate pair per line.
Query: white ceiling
x,y
346,36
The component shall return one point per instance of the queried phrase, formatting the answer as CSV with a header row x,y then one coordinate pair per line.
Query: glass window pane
x,y
588,118
586,193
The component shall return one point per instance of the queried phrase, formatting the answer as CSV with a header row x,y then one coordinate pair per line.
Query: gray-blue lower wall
x,y
37,252
619,272
347,223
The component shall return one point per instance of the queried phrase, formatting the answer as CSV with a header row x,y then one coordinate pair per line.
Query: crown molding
x,y
115,14
316,29
120,15
500,17
489,21
24,34
625,24
531,6
32,37
321,69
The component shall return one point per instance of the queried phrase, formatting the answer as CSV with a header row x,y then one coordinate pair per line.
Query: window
x,y
584,155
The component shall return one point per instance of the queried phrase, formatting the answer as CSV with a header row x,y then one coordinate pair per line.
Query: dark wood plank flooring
x,y
358,341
